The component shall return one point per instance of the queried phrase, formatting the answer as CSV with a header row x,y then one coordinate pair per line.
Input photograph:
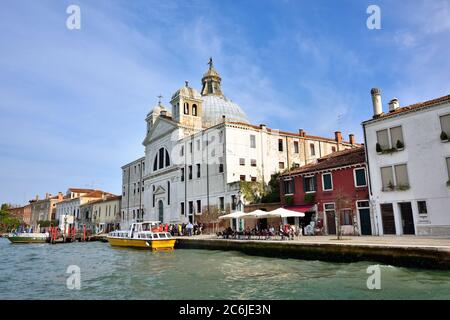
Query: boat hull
x,y
16,239
154,245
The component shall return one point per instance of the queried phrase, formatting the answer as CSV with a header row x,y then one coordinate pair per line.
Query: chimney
x,y
47,196
351,139
301,133
376,101
263,126
223,118
393,105
60,196
338,136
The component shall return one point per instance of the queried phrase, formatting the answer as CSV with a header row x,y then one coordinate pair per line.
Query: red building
x,y
335,187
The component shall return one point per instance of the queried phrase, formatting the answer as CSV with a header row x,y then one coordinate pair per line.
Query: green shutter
x,y
327,182
360,177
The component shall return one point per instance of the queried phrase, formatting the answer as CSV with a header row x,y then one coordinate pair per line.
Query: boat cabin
x,y
143,230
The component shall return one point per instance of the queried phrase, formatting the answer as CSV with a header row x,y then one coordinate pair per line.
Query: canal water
x,y
38,271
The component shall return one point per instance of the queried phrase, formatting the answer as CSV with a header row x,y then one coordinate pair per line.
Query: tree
x,y
7,220
272,193
210,216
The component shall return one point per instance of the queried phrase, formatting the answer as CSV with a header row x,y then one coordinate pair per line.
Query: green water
x,y
38,271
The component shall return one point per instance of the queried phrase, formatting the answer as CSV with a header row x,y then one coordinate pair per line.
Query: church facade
x,y
198,151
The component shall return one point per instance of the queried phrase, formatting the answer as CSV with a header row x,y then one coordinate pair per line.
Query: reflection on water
x,y
38,271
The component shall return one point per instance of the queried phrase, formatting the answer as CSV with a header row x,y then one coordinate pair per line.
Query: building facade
x,y
408,157
132,200
45,209
333,193
106,213
197,154
22,213
68,211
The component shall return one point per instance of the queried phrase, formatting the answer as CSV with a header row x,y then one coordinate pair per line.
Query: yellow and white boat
x,y
144,235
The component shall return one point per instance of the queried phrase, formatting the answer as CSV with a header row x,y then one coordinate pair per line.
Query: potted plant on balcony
x,y
378,147
309,198
390,186
289,200
403,187
400,145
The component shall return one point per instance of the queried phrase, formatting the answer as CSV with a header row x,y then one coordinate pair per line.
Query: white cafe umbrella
x,y
285,213
259,214
233,215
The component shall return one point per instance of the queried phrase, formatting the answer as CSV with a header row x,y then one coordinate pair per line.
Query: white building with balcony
x,y
408,156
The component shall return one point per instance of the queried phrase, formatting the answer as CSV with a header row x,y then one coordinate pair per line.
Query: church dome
x,y
215,104
187,92
215,107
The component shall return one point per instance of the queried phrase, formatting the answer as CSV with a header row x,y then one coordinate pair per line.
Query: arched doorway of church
x,y
161,211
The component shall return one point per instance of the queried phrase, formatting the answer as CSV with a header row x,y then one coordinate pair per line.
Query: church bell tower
x,y
187,107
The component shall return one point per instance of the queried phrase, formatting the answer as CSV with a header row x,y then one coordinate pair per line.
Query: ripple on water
x,y
38,271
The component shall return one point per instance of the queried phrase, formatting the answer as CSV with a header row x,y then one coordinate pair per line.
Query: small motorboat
x,y
145,235
24,237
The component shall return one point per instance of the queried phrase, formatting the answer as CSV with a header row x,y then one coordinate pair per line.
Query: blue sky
x,y
73,103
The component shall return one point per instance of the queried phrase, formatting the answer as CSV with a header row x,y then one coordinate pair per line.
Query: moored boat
x,y
24,237
145,235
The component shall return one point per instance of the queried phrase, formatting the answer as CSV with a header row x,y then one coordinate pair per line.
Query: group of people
x,y
185,229
285,231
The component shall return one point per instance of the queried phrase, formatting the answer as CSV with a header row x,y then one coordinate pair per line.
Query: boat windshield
x,y
148,226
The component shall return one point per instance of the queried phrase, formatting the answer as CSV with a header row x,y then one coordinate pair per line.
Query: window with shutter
x,y
289,186
309,184
360,177
327,182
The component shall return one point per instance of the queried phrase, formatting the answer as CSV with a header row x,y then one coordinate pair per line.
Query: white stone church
x,y
198,150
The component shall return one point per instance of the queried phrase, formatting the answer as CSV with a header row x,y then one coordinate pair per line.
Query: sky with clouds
x,y
73,102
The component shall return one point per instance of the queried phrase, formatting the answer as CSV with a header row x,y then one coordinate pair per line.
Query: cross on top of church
x,y
159,99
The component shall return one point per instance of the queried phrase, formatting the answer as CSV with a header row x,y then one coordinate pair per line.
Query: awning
x,y
302,208
285,213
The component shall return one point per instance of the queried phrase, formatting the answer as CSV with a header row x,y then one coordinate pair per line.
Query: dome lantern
x,y
211,81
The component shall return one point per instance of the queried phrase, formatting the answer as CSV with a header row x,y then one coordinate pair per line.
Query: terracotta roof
x,y
289,133
413,107
333,160
97,194
79,190
109,197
